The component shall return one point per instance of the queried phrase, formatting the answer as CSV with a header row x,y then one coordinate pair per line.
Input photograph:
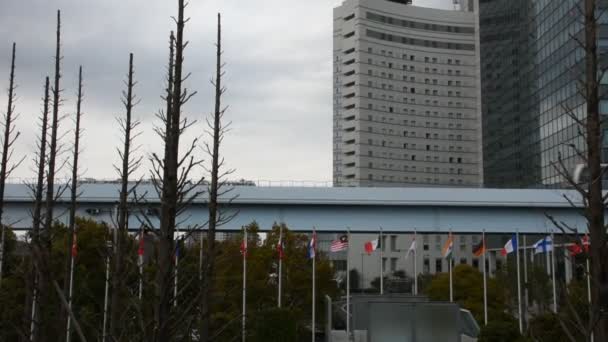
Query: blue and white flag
x,y
543,245
312,245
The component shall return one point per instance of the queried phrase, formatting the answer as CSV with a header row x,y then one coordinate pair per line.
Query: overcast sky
x,y
278,75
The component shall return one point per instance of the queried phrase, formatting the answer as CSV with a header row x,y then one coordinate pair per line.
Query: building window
x,y
393,264
426,266
394,243
438,265
463,261
383,264
603,107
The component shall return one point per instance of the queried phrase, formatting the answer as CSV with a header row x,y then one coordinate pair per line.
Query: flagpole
x,y
521,328
175,280
485,284
450,268
141,265
34,300
200,259
381,263
314,290
415,265
589,287
348,288
105,296
547,258
244,285
280,266
451,281
68,332
553,271
525,305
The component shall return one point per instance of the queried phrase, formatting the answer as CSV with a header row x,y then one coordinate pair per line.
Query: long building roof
x,y
415,196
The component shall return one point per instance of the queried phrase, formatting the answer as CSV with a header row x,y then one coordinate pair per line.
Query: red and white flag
x,y
74,246
244,247
580,246
371,246
140,249
280,249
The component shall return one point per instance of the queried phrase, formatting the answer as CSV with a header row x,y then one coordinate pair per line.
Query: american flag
x,y
339,245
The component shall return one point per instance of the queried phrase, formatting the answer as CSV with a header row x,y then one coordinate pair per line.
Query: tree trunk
x,y
213,194
36,215
73,198
118,276
169,193
8,124
595,210
49,322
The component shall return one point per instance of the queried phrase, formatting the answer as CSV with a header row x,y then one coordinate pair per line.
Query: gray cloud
x,y
278,56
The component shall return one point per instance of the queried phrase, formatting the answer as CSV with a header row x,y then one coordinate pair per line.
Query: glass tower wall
x,y
531,65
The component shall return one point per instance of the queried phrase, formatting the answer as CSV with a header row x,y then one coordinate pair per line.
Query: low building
x,y
401,318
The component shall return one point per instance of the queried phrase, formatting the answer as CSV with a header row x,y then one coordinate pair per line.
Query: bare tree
x,y
170,177
37,191
53,143
74,194
217,188
42,249
10,136
593,201
129,165
598,251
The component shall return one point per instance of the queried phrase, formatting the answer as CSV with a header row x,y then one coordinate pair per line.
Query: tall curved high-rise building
x,y
406,96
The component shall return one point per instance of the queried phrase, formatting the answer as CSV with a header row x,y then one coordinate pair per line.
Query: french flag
x,y
510,246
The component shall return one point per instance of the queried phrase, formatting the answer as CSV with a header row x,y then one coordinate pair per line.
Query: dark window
x,y
438,265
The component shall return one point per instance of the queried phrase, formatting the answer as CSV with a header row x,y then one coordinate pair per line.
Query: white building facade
x,y
394,255
406,96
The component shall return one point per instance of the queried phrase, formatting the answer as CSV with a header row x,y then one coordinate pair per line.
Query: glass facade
x,y
530,67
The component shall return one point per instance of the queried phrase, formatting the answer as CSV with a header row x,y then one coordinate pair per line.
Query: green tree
x,y
546,328
275,324
468,291
12,293
503,329
262,288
